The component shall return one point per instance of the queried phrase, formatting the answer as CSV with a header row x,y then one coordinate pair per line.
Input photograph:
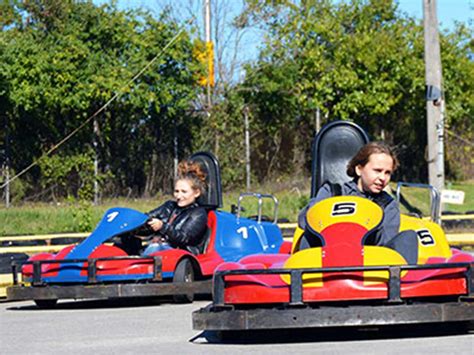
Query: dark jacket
x,y
182,226
391,221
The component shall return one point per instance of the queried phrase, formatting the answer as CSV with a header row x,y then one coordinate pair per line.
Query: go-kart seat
x,y
333,147
210,233
211,199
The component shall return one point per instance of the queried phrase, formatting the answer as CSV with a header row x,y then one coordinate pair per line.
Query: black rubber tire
x,y
184,272
7,259
46,304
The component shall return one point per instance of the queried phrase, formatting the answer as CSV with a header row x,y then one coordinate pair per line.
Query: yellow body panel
x,y
374,256
432,241
431,238
339,209
308,258
296,239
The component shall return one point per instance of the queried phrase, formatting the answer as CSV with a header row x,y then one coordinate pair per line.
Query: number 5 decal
x,y
244,231
425,237
343,208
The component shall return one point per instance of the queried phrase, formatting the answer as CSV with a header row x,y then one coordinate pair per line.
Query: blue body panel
x,y
116,221
235,238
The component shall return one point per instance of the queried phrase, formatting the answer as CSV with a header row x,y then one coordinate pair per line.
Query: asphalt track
x,y
159,327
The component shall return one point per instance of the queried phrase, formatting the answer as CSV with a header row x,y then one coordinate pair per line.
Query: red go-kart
x,y
334,279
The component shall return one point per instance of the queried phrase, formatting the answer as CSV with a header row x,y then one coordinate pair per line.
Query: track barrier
x,y
48,243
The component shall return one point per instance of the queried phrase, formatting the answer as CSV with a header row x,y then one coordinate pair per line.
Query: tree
x,y
62,61
360,60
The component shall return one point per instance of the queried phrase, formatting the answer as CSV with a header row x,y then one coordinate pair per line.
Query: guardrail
x,y
7,243
454,239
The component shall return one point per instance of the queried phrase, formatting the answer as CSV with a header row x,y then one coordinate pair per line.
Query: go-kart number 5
x,y
343,209
425,237
112,216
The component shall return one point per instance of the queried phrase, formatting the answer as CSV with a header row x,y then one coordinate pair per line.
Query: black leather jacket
x,y
188,226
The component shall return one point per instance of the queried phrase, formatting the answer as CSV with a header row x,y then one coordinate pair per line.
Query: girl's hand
x,y
158,239
155,224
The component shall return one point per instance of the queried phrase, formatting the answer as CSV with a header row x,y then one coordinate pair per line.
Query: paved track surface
x,y
151,327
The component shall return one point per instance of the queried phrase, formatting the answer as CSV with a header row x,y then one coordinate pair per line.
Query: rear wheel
x,y
46,304
184,272
7,259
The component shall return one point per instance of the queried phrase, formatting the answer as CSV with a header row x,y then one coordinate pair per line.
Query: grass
x,y
468,188
42,218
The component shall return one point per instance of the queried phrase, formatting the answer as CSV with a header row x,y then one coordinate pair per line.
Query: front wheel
x,y
184,272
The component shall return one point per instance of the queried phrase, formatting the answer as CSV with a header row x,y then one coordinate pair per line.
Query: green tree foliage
x,y
60,61
360,60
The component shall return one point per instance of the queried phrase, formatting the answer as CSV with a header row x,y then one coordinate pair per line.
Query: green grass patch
x,y
468,204
42,218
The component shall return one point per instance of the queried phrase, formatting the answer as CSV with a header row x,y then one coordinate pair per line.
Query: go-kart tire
x,y
46,304
184,272
7,259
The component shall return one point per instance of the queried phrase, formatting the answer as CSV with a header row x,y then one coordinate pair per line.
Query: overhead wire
x,y
102,108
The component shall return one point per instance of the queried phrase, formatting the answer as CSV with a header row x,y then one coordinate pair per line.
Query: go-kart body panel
x,y
431,238
341,279
239,237
230,239
96,268
342,236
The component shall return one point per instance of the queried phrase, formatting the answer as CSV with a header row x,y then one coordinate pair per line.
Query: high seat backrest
x,y
209,238
343,223
212,197
333,147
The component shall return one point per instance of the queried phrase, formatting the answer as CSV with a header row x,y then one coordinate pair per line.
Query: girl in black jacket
x,y
180,223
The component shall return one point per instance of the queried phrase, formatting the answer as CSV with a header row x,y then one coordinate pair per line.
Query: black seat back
x,y
212,197
333,147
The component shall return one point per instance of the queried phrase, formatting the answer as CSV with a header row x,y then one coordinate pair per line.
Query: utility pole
x,y
175,148
434,96
95,143
317,120
247,147
210,69
209,50
6,163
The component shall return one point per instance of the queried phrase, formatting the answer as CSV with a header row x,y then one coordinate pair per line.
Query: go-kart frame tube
x,y
91,267
298,314
39,290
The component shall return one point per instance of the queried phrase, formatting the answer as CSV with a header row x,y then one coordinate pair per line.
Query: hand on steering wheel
x,y
155,224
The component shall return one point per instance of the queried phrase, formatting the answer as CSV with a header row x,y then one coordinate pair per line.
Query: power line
x,y
95,114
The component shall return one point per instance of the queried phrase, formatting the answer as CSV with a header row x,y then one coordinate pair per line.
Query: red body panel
x,y
347,286
337,287
210,259
170,258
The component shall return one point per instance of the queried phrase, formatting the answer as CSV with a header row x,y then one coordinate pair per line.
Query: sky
x,y
449,11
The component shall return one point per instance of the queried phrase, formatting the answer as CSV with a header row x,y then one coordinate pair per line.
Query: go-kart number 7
x,y
343,208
